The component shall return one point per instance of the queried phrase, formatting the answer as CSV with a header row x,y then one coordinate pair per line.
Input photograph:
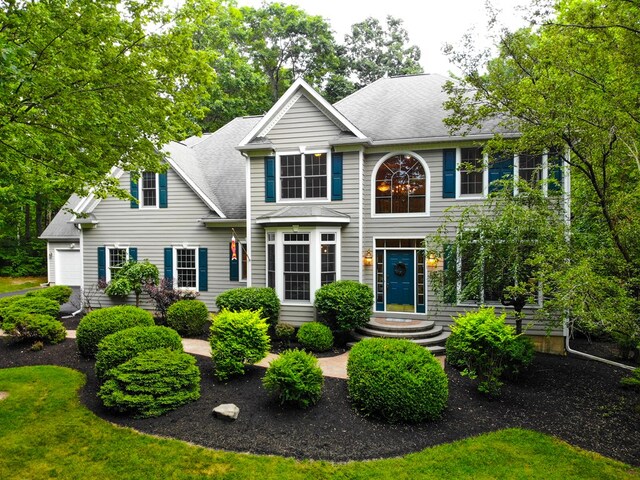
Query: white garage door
x,y
68,267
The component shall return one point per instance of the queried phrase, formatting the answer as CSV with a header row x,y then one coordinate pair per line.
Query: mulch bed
x,y
576,400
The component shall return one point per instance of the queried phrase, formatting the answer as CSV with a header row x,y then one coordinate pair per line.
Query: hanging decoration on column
x,y
234,255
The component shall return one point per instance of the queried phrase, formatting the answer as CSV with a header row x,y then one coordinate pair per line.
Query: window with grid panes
x,y
296,266
530,168
116,258
471,171
271,260
149,189
327,258
303,176
186,268
401,186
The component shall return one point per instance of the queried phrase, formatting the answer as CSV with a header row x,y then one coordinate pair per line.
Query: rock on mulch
x,y
576,400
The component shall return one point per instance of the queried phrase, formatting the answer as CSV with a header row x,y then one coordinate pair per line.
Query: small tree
x,y
501,250
132,277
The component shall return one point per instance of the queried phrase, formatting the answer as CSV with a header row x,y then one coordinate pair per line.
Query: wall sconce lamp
x,y
367,260
432,260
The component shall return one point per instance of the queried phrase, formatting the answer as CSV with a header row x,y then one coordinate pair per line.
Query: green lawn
x,y
46,433
11,284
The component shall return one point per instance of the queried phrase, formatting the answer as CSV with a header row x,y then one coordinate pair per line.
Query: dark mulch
x,y
576,400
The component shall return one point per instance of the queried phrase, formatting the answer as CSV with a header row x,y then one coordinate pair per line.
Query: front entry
x,y
400,278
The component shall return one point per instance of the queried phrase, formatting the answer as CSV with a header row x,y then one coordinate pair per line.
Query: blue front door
x,y
400,280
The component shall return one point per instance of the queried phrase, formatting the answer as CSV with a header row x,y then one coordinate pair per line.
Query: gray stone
x,y
226,411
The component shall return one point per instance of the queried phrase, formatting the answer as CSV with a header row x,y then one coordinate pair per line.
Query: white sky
x,y
430,24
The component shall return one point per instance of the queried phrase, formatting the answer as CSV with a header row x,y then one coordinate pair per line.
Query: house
x,y
314,192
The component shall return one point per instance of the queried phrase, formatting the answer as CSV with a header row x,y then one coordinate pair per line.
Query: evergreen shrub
x,y
152,383
284,331
253,298
344,305
35,326
59,293
188,317
238,339
295,378
99,323
396,381
12,311
315,336
122,346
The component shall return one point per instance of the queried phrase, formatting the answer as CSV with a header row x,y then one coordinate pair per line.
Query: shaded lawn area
x,y
13,284
47,433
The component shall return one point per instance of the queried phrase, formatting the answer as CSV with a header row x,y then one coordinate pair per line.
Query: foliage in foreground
x,y
295,378
188,317
14,308
633,381
315,336
344,305
485,347
238,339
59,293
262,299
132,277
43,404
164,295
396,380
152,383
35,326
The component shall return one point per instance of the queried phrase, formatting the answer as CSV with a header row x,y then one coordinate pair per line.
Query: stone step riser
x,y
432,341
400,327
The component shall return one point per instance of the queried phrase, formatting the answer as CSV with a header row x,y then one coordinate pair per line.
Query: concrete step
x,y
434,331
438,340
435,349
399,325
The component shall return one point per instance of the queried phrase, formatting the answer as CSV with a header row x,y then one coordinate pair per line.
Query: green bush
x,y
344,305
315,336
485,347
252,298
188,317
122,346
59,293
284,331
99,323
35,326
632,382
295,378
13,311
237,339
152,383
396,380
5,302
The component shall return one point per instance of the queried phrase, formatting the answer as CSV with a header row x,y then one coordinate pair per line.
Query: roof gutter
x,y
445,138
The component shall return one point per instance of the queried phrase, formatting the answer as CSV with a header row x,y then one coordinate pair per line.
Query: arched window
x,y
401,185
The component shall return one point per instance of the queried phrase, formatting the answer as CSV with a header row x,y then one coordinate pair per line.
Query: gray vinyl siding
x,y
151,230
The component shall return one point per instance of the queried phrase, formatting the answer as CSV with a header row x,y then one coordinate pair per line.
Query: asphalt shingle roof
x,y
60,228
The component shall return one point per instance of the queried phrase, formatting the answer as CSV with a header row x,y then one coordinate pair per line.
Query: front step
x,y
411,335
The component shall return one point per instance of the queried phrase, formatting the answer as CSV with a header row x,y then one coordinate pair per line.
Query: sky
x,y
430,24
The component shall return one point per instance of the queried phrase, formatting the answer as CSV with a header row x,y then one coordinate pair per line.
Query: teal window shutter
x,y
102,264
203,269
449,173
133,254
234,265
336,176
555,173
168,263
450,267
164,199
269,179
500,169
133,190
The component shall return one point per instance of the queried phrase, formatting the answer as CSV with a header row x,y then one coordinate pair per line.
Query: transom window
x,y
186,268
149,189
471,171
116,258
401,186
303,176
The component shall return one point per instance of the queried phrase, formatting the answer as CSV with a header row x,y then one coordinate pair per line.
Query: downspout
x,y
565,331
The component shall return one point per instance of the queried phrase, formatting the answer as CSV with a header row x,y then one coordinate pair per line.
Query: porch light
x,y
432,260
367,260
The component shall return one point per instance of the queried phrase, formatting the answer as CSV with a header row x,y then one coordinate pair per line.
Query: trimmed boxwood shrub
x,y
35,326
344,305
252,298
13,311
284,331
486,348
237,339
59,293
315,336
122,346
152,383
396,380
295,378
99,323
188,317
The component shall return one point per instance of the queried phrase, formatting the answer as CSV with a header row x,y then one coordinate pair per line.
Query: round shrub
x,y
152,383
396,380
315,336
35,326
59,293
252,298
284,331
5,302
188,317
237,339
99,323
295,378
344,305
122,346
19,307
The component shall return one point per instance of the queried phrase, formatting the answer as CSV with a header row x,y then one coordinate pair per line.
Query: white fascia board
x,y
303,220
90,202
456,138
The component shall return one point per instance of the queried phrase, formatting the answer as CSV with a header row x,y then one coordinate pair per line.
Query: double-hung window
x,y
149,189
304,176
186,268
530,168
471,172
116,257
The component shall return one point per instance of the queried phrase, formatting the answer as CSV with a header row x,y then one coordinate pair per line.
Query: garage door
x,y
68,267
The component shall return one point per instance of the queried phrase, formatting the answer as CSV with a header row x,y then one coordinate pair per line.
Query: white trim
x,y
284,100
485,177
174,272
276,118
360,212
84,202
313,221
248,225
425,166
107,260
303,152
139,184
195,188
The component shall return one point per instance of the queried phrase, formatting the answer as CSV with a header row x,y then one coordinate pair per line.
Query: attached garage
x,y
68,267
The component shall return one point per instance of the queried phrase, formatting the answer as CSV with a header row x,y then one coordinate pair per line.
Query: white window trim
x,y
242,247
426,213
315,259
107,261
302,151
175,267
140,194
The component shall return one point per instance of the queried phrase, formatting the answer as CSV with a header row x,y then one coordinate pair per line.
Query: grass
x,y
47,433
11,284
